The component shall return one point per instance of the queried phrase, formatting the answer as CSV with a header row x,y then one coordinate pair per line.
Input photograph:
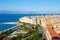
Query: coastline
x,y
14,27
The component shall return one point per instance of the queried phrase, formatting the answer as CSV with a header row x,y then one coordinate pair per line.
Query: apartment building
x,y
51,25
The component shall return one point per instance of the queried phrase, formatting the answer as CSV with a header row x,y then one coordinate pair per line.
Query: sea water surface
x,y
6,26
4,17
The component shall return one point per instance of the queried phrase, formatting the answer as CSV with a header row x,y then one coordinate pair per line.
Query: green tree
x,y
19,37
14,38
28,39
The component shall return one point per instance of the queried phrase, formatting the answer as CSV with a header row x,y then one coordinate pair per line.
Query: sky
x,y
30,5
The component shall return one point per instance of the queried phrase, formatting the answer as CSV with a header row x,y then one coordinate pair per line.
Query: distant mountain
x,y
28,12
5,11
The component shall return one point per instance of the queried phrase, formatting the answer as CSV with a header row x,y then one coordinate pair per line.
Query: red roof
x,y
52,32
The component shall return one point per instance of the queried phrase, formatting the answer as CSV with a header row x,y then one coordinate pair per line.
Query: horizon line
x,y
38,12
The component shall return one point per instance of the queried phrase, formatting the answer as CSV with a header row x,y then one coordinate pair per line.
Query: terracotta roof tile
x,y
52,32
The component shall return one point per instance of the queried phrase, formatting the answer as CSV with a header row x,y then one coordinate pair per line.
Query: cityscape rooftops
x,y
52,32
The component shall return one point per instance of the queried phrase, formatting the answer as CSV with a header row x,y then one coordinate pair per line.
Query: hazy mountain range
x,y
29,12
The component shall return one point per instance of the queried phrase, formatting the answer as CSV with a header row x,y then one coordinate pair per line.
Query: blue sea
x,y
4,17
